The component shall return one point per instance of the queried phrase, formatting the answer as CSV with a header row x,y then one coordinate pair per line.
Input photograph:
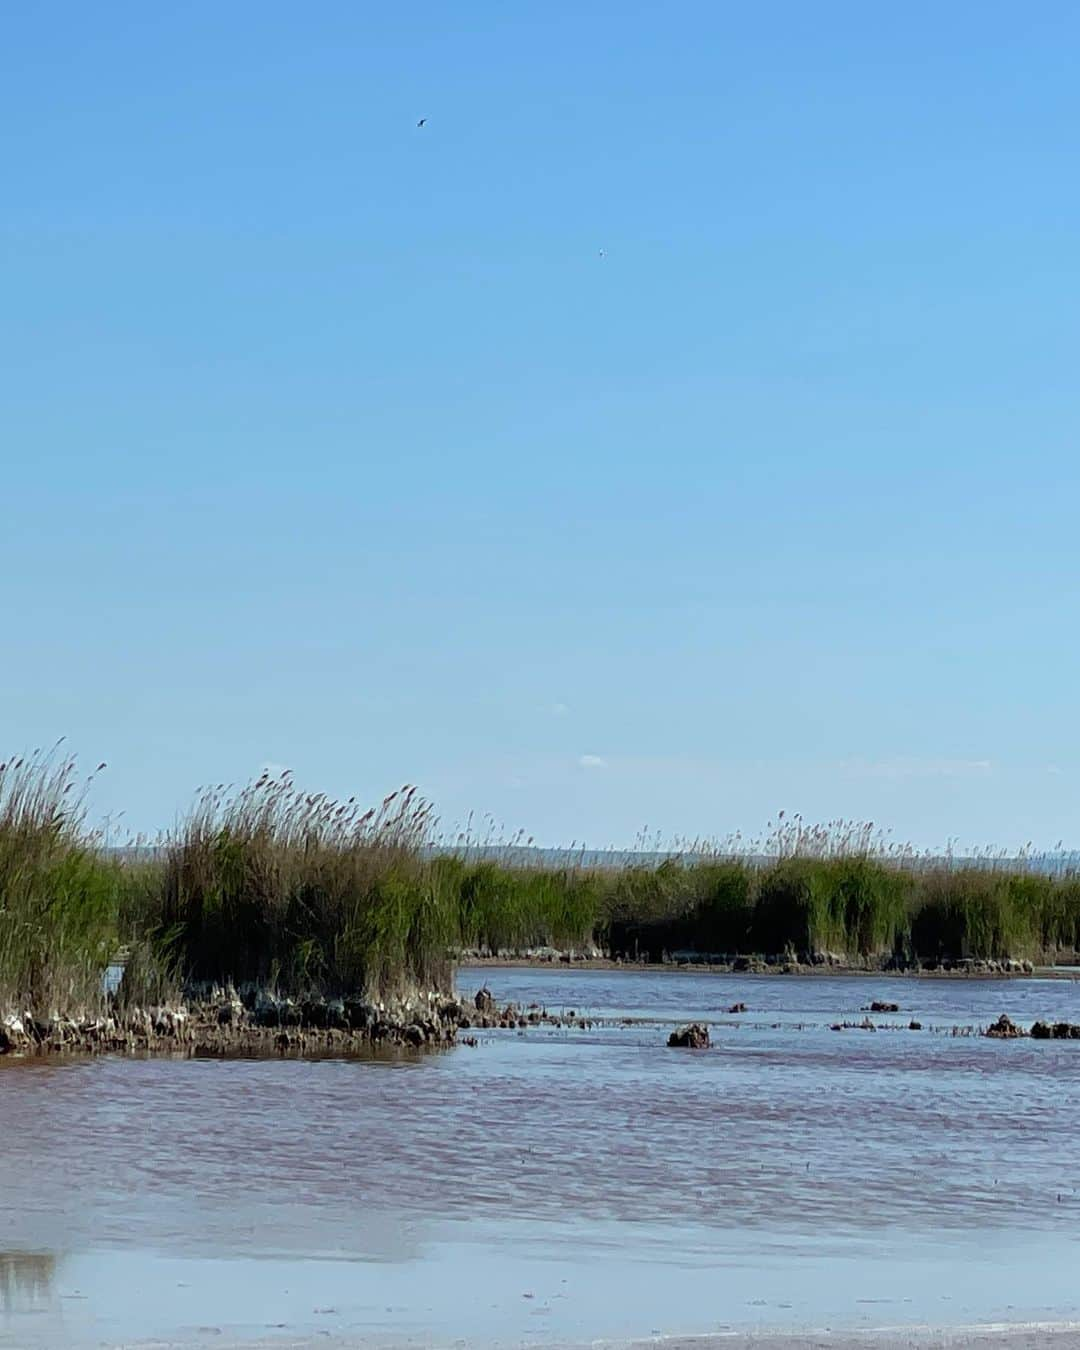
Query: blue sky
x,y
681,426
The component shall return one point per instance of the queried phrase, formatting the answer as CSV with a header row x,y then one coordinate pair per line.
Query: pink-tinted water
x,y
561,1185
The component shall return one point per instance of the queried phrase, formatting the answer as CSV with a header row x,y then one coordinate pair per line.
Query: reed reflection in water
x,y
26,1281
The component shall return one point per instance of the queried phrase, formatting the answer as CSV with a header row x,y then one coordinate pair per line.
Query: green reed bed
x,y
264,886
269,886
861,909
275,887
854,906
500,907
838,889
58,898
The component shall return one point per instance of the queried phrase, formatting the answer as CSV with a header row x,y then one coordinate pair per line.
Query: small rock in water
x,y
914,1026
737,1008
878,1007
694,1036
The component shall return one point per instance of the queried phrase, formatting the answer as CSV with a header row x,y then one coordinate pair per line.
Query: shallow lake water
x,y
562,1186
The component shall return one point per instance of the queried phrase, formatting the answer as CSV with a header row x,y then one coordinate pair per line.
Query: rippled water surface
x,y
563,1184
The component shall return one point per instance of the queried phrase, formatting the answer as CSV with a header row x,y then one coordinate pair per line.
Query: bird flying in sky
x,y
421,122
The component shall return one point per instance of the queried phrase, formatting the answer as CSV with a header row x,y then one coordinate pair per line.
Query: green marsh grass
x,y
274,886
268,885
58,897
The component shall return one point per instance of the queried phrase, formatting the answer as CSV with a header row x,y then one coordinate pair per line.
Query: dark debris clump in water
x,y
1004,1029
490,1016
1055,1031
693,1036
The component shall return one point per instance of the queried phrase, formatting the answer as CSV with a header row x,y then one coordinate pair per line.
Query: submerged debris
x,y
1004,1029
693,1036
1056,1031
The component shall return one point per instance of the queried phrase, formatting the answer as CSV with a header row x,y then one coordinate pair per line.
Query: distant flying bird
x,y
603,254
421,122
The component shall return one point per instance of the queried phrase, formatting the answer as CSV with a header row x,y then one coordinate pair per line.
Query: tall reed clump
x,y
705,904
58,896
723,893
966,911
517,907
840,888
852,905
272,886
1056,902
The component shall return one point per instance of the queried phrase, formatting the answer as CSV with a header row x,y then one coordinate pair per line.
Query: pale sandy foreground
x,y
1034,1336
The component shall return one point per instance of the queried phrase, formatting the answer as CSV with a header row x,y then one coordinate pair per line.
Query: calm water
x,y
562,1185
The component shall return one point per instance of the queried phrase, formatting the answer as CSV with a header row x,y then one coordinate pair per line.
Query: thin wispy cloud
x,y
559,709
591,762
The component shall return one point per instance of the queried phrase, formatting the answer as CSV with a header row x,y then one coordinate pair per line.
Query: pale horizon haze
x,y
679,427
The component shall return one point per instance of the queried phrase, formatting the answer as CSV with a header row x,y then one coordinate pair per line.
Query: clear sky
x,y
679,427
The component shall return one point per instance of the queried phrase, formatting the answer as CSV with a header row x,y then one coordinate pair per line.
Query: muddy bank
x,y
820,964
224,1024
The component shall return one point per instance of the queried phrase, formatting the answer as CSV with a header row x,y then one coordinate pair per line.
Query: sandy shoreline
x,y
1023,1336
1030,1336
